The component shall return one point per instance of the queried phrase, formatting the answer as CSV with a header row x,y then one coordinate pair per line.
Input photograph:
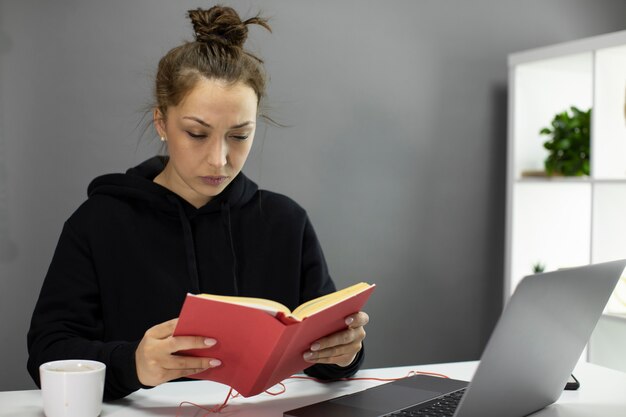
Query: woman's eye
x,y
240,137
196,136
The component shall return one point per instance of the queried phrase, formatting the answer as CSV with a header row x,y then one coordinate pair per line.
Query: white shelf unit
x,y
562,222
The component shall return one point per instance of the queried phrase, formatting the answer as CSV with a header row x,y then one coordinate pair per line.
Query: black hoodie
x,y
128,256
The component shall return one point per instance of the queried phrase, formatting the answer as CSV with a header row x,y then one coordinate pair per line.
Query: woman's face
x,y
209,135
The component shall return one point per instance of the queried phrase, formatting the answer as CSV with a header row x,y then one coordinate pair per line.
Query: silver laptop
x,y
524,367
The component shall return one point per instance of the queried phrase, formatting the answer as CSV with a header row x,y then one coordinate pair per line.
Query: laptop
x,y
524,367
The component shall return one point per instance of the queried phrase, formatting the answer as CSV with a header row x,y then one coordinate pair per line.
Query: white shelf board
x,y
561,180
568,48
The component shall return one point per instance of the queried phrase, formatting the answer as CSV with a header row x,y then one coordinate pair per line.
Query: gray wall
x,y
396,146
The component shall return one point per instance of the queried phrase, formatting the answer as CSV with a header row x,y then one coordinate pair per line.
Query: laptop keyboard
x,y
439,407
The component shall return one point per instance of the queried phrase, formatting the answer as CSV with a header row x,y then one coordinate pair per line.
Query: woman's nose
x,y
216,152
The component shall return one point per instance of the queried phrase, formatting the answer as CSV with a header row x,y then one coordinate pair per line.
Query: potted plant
x,y
568,146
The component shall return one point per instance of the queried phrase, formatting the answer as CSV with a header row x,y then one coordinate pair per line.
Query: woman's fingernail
x,y
315,346
349,320
210,342
308,355
215,362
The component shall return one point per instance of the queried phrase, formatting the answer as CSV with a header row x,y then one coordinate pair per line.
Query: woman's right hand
x,y
155,359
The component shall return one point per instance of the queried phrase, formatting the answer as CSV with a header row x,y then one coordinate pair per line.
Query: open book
x,y
260,342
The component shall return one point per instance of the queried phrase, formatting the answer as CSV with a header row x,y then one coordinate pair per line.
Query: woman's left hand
x,y
342,347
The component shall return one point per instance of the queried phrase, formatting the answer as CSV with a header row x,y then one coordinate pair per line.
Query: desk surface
x,y
602,393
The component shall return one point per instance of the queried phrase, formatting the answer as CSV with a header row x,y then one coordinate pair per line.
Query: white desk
x,y
602,393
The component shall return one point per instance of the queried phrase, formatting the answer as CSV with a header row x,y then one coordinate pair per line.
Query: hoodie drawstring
x,y
190,250
227,222
192,265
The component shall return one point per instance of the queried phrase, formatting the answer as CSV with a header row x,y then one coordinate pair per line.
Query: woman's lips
x,y
214,180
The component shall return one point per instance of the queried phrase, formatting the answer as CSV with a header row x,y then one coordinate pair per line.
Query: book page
x,y
269,306
318,304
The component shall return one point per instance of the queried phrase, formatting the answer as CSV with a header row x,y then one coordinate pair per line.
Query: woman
x,y
189,222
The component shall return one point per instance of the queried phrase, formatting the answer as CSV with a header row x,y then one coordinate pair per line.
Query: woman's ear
x,y
159,122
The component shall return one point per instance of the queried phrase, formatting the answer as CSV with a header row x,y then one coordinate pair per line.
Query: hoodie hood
x,y
137,184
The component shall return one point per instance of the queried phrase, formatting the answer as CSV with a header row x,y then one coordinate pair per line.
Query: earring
x,y
163,139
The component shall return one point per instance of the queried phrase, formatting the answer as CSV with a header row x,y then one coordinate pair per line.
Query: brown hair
x,y
217,54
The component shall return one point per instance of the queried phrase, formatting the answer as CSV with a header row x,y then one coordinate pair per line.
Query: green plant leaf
x,y
563,144
568,145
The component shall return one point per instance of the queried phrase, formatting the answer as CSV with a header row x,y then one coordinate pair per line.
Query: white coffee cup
x,y
72,388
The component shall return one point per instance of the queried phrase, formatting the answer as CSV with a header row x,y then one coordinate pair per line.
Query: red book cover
x,y
259,349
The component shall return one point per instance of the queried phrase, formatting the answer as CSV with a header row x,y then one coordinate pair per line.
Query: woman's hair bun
x,y
222,24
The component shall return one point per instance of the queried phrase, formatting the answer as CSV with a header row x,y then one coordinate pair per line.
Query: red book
x,y
260,342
